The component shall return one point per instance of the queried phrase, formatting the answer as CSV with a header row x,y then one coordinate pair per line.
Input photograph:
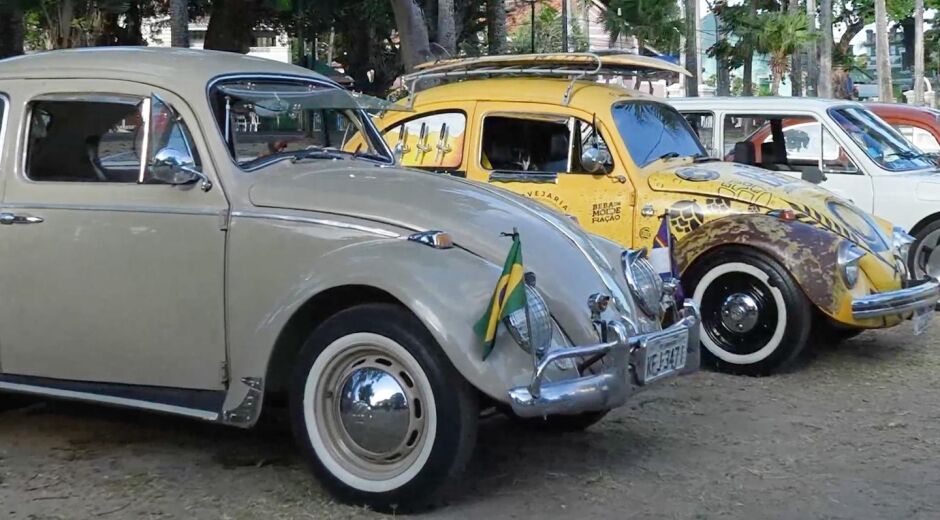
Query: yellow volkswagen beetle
x,y
769,258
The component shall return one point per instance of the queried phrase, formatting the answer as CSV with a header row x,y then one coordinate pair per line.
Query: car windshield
x,y
882,143
265,120
653,130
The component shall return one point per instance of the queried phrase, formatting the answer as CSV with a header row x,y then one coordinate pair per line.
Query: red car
x,y
920,125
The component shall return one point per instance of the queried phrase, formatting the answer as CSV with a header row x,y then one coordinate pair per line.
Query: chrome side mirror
x,y
172,166
594,160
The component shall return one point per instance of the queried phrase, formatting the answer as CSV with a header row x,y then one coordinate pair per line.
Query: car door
x,y
109,276
812,152
537,152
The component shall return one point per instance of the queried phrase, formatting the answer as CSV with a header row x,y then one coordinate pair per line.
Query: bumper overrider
x,y
623,374
917,295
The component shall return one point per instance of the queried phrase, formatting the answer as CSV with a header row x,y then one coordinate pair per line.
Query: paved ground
x,y
855,434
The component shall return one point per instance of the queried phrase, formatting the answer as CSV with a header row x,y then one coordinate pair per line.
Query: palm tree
x,y
651,23
918,52
885,87
783,34
179,23
824,83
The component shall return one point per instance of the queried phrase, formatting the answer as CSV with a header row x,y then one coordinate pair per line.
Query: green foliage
x,y
655,23
547,34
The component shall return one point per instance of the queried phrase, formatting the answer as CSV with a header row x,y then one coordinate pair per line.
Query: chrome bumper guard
x,y
611,387
920,294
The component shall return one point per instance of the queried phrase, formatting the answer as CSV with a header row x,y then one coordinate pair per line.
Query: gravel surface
x,y
854,432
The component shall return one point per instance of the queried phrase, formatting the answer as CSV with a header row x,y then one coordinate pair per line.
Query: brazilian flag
x,y
508,297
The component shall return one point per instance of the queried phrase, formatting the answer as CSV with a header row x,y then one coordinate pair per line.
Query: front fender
x,y
276,267
807,252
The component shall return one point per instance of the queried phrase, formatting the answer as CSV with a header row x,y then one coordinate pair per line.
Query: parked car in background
x,y
767,257
842,146
184,234
919,125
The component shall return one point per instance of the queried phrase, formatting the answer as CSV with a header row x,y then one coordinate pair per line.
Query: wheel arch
x,y
306,318
924,222
809,254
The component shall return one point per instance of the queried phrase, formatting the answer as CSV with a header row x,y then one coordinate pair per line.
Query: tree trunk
x,y
496,26
796,59
775,83
691,48
230,25
747,75
412,33
812,65
11,29
446,26
179,23
824,84
885,86
918,52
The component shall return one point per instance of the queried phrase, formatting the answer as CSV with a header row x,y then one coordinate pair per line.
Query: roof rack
x,y
574,65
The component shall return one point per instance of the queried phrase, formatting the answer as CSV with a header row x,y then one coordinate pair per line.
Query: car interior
x,y
784,144
84,141
516,144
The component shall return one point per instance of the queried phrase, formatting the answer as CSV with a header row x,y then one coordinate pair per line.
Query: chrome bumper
x,y
611,387
925,293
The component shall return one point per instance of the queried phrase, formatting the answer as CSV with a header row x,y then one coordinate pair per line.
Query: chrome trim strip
x,y
119,209
5,106
107,399
145,110
535,178
926,294
316,221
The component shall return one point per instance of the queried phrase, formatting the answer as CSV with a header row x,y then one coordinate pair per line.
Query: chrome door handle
x,y
10,218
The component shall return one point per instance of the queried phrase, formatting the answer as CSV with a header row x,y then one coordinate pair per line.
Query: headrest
x,y
744,152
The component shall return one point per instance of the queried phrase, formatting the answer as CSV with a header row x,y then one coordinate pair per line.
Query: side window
x,y
833,157
703,123
920,137
738,129
431,141
95,140
527,144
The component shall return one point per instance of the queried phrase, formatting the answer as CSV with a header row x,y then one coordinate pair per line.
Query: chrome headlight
x,y
644,282
534,320
849,255
902,243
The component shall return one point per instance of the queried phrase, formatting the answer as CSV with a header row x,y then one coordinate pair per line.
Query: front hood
x,y
567,265
761,191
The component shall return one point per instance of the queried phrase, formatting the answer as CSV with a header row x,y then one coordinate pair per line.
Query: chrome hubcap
x,y
374,411
739,312
926,257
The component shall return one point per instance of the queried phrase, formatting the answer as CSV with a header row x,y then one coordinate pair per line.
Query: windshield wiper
x,y
668,155
319,153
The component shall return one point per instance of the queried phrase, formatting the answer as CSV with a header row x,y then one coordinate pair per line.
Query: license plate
x,y
665,355
922,319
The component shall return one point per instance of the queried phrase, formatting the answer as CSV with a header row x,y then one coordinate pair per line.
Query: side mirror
x,y
594,160
172,166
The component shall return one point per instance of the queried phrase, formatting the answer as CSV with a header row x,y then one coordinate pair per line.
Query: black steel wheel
x,y
755,318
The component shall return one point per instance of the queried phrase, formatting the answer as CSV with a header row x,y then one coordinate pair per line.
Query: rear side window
x,y
431,141
96,140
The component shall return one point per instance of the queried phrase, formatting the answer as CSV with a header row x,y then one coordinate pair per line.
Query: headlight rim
x,y
902,242
849,256
630,259
536,309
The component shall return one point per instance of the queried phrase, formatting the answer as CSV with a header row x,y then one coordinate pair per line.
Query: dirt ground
x,y
853,433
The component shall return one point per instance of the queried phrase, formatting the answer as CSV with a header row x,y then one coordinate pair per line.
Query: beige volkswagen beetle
x,y
180,231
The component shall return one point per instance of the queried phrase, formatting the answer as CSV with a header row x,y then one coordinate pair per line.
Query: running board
x,y
197,404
